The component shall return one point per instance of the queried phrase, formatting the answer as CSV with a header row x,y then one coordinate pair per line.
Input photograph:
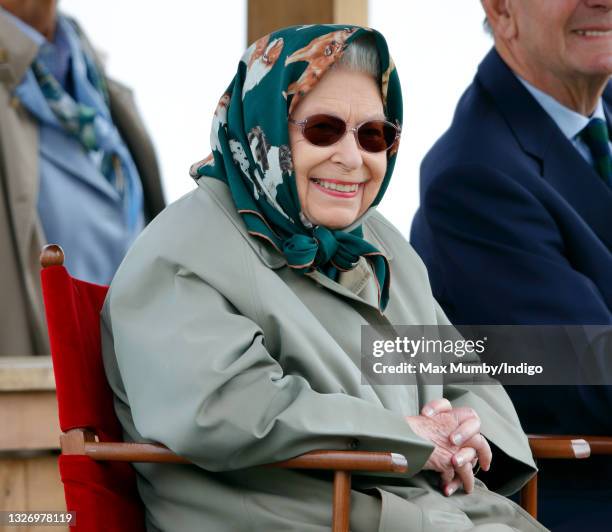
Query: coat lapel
x,y
18,137
562,166
17,52
580,185
68,154
19,177
273,259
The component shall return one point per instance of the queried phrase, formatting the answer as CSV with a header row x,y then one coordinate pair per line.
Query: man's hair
x,y
361,55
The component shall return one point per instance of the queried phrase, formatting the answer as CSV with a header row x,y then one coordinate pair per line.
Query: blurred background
x,y
179,57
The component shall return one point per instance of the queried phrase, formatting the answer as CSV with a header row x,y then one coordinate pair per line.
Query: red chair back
x,y
103,494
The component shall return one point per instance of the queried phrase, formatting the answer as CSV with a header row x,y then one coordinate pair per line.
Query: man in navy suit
x,y
515,223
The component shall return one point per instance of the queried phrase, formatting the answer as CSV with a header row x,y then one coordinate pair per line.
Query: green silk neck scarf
x,y
251,153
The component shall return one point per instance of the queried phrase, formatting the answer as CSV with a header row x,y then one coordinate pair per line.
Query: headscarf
x,y
251,153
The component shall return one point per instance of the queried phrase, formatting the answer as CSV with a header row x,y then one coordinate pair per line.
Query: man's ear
x,y
501,17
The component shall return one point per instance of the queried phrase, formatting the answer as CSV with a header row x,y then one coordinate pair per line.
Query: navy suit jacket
x,y
515,227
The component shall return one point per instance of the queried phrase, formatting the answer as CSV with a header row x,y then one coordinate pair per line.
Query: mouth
x,y
334,187
593,32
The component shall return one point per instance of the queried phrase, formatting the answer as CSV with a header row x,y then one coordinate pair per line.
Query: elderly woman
x,y
232,330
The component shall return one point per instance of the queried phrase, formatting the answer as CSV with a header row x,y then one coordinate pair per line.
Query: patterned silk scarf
x,y
251,153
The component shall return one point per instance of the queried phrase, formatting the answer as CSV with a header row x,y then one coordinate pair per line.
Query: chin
x,y
334,222
598,65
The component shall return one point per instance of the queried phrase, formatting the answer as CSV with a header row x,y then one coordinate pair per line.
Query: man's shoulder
x,y
115,86
479,137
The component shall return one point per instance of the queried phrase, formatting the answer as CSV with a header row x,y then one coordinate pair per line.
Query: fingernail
x,y
428,412
459,460
457,439
450,491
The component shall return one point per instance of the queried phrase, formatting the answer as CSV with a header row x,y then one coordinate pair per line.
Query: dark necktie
x,y
595,136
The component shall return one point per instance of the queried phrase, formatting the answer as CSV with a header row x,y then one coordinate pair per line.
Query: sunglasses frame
x,y
302,124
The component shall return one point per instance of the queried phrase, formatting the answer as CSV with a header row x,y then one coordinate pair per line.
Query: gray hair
x,y
361,55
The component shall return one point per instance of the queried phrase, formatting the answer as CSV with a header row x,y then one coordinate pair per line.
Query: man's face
x,y
569,38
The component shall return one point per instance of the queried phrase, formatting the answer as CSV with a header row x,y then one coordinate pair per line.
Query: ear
x,y
501,17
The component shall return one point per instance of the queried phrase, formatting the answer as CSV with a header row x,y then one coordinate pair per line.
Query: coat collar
x,y
17,51
561,164
268,254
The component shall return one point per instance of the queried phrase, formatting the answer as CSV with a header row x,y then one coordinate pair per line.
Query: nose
x,y
347,152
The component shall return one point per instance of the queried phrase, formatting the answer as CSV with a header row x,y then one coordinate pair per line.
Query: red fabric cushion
x,y
73,320
103,494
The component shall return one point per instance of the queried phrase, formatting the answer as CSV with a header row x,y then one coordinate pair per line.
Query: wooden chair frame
x,y
546,446
84,442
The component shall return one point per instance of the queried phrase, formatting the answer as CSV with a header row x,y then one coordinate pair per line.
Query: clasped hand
x,y
455,432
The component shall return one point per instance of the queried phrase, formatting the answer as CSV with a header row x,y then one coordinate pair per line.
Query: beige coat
x,y
22,327
215,348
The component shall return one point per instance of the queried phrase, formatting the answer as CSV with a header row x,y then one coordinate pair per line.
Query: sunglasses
x,y
372,135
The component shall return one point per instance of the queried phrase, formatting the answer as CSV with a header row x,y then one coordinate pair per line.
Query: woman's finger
x,y
466,475
465,431
436,406
463,413
463,463
480,444
452,486
463,456
446,476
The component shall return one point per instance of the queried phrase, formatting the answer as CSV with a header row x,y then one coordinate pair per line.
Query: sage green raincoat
x,y
214,347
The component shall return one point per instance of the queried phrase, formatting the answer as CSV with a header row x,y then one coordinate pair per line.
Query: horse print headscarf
x,y
251,153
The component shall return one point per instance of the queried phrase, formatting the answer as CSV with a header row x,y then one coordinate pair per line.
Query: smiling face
x,y
574,37
336,184
570,39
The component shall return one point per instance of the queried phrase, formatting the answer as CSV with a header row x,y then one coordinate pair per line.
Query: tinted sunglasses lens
x,y
376,135
324,130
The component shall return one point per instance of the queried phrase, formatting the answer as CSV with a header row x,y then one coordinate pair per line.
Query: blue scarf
x,y
86,117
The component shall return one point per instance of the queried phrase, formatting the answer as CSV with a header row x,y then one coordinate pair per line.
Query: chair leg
x,y
529,497
341,506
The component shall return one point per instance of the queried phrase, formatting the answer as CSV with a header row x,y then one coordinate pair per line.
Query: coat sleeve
x,y
198,378
513,463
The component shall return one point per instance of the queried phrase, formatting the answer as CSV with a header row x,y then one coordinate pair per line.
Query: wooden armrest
x,y
599,444
82,442
347,461
559,446
131,452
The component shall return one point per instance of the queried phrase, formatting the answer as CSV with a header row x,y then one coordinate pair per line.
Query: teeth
x,y
593,33
336,186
